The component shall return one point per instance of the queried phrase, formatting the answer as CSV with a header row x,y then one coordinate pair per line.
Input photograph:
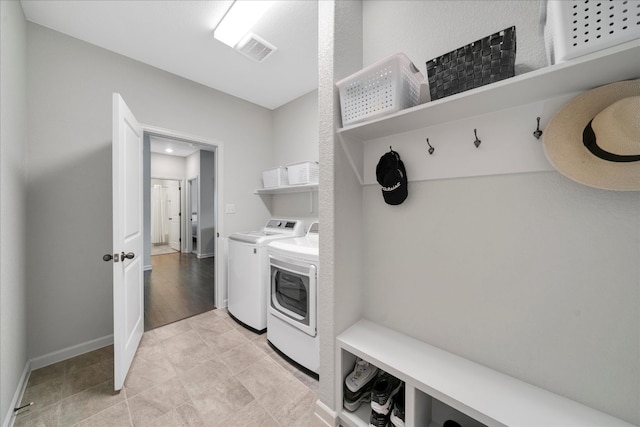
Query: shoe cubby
x,y
430,412
420,408
446,390
361,416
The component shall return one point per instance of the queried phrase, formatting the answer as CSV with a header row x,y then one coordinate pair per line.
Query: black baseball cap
x,y
392,176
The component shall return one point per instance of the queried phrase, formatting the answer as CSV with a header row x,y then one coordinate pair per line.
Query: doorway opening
x,y
166,215
181,228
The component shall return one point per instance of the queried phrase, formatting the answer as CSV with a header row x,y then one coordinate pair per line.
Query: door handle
x,y
130,255
109,257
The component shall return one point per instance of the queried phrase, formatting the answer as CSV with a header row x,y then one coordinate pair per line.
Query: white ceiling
x,y
177,36
160,145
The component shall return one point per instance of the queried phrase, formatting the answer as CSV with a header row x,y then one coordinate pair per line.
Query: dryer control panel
x,y
283,226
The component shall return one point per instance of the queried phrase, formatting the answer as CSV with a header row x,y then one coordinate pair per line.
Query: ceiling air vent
x,y
255,47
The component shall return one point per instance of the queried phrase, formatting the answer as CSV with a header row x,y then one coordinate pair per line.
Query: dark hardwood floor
x,y
178,286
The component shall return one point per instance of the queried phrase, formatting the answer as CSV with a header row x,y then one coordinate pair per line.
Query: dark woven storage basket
x,y
479,63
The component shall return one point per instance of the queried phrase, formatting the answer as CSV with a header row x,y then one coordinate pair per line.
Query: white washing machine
x,y
292,309
248,271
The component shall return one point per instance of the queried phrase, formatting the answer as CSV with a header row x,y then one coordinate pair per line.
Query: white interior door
x,y
128,285
173,201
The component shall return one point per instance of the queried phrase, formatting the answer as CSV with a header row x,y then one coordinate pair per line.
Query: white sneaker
x,y
362,373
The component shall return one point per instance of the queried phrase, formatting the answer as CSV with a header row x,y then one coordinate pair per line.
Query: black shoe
x,y
397,414
378,420
385,387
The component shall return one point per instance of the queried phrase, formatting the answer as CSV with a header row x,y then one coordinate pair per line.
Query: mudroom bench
x,y
441,385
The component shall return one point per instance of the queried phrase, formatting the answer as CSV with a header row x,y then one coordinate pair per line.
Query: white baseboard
x,y
326,414
209,255
17,396
69,352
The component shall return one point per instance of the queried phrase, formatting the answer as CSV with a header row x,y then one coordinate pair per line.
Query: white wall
x,y
295,139
164,166
295,130
69,175
13,141
427,29
192,165
530,274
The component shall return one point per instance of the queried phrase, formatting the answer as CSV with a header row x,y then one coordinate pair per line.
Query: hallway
x,y
180,285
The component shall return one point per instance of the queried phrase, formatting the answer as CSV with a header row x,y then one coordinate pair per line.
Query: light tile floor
x,y
202,371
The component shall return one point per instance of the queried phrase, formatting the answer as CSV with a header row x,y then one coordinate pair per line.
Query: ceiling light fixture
x,y
239,19
169,150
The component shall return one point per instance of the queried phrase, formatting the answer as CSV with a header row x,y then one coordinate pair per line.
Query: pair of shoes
x,y
383,393
384,390
397,414
358,385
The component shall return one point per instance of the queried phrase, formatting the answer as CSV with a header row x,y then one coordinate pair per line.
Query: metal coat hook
x,y
477,142
537,133
431,149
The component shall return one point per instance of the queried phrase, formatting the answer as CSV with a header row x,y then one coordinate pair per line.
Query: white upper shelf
x,y
621,62
288,189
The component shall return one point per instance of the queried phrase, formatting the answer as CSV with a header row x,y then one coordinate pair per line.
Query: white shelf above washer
x,y
288,189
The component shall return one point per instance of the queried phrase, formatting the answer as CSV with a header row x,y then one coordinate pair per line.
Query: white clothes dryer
x,y
248,271
292,309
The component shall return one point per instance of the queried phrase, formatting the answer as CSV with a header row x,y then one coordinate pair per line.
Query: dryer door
x,y
293,293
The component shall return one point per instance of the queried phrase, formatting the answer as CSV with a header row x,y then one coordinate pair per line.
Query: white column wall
x,y
13,141
340,199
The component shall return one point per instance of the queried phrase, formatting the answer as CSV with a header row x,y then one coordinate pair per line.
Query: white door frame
x,y
220,266
189,202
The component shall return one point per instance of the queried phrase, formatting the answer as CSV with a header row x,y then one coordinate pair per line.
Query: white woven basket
x,y
303,173
387,86
276,177
578,27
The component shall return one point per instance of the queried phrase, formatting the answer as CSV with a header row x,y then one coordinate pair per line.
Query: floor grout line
x,y
254,346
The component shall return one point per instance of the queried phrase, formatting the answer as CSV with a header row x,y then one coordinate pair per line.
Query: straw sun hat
x,y
595,138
